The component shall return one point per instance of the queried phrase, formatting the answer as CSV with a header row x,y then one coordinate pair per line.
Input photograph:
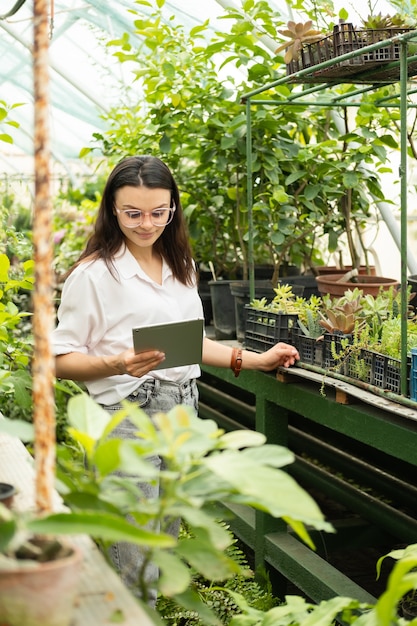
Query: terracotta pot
x,y
332,269
368,284
42,595
7,493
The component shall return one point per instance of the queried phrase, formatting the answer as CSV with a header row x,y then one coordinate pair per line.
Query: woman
x,y
137,269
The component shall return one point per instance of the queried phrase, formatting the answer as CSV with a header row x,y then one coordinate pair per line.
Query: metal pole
x,y
250,200
403,184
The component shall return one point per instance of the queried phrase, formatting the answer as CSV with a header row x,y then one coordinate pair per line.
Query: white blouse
x,y
98,312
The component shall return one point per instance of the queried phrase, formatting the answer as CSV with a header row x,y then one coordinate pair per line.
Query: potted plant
x,y
308,47
268,322
204,466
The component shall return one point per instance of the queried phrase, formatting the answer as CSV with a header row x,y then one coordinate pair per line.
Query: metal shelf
x,y
319,76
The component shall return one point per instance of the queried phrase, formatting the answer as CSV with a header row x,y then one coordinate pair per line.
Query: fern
x,y
256,591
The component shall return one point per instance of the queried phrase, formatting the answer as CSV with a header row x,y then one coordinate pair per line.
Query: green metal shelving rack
x,y
370,80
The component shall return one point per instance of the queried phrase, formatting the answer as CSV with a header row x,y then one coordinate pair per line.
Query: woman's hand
x,y
282,354
139,363
84,367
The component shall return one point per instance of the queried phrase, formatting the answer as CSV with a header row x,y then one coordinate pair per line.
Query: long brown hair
x,y
173,245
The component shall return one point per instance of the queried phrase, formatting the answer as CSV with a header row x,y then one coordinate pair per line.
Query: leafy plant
x,y
15,341
5,110
204,467
390,343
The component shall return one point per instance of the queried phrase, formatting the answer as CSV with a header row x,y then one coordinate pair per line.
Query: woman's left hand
x,y
282,354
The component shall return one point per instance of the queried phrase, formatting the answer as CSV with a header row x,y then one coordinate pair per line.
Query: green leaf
x,y
380,151
4,268
389,141
6,138
106,456
86,416
312,191
191,601
7,532
165,144
350,180
133,461
18,428
196,518
199,29
266,488
295,176
205,558
269,454
278,238
175,576
104,525
241,439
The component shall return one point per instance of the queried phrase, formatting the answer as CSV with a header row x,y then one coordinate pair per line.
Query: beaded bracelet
x,y
236,361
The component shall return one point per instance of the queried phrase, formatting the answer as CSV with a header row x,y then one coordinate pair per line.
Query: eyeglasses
x,y
134,217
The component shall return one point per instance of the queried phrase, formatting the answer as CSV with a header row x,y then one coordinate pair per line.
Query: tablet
x,y
182,342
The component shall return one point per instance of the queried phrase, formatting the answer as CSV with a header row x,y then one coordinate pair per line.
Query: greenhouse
x,y
208,309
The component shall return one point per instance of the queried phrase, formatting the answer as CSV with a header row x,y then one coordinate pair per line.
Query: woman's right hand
x,y
85,367
139,363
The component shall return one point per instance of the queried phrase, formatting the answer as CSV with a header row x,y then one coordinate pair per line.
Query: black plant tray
x,y
376,369
309,348
263,329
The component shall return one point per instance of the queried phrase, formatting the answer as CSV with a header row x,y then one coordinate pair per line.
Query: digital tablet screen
x,y
182,342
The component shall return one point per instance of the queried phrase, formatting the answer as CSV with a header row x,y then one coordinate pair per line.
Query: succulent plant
x,y
300,34
380,21
285,301
342,317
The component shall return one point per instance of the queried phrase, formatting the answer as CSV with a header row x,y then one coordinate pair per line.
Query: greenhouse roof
x,y
85,77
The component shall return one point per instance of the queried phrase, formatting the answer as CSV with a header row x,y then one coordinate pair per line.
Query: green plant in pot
x,y
204,467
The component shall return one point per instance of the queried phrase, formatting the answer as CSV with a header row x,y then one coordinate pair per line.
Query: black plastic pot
x,y
7,493
223,306
409,609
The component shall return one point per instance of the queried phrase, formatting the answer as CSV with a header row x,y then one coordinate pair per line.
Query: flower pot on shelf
x,y
332,285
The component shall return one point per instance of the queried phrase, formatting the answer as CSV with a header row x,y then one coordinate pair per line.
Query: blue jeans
x,y
153,396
